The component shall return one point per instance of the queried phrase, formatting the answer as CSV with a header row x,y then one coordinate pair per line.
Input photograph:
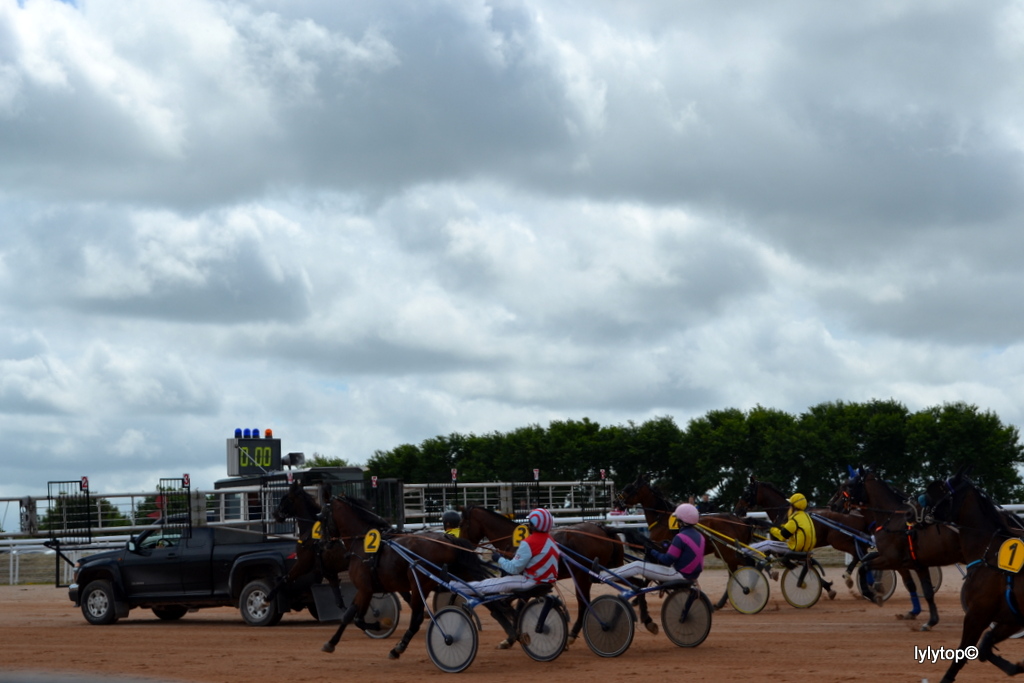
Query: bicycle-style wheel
x,y
801,586
384,609
542,642
747,590
866,578
691,631
452,640
609,625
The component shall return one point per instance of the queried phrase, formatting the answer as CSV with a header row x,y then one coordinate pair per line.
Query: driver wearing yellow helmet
x,y
796,533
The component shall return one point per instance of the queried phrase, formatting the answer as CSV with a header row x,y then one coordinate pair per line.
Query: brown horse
x,y
325,556
658,513
993,590
586,542
376,566
901,542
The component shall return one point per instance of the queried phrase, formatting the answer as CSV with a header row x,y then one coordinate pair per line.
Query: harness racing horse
x,y
326,554
766,496
902,543
993,590
375,566
585,541
658,512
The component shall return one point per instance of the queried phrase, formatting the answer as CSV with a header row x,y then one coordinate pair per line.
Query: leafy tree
x,y
320,460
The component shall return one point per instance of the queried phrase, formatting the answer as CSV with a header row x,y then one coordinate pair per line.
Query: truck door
x,y
196,565
154,568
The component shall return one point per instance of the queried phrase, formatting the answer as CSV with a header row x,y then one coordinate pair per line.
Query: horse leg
x,y
500,610
346,619
583,584
336,591
645,615
976,621
850,569
929,597
415,621
915,602
993,636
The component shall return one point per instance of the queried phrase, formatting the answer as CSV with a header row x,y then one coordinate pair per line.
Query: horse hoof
x,y
926,627
327,648
652,627
503,645
909,616
831,595
524,638
394,654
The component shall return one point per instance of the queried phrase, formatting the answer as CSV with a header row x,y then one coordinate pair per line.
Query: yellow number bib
x,y
371,542
1011,555
318,531
520,534
673,522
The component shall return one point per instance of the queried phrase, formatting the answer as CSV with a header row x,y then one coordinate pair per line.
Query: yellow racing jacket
x,y
797,532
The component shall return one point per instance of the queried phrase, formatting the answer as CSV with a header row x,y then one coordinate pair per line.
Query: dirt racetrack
x,y
43,637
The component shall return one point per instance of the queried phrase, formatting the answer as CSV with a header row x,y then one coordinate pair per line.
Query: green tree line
x,y
719,452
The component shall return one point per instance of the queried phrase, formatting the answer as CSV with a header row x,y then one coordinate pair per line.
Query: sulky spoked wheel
x,y
801,587
748,590
691,631
384,609
452,640
543,629
609,625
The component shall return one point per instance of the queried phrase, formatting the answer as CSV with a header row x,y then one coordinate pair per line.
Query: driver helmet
x,y
451,519
687,514
798,501
541,520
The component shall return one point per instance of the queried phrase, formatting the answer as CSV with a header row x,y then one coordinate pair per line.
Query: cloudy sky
x,y
363,224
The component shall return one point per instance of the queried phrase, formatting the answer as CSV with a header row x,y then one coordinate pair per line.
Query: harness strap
x,y
910,541
1011,600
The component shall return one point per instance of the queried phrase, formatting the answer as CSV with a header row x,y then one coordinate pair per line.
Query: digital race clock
x,y
250,454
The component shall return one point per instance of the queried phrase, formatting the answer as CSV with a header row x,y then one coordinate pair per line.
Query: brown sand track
x,y
844,640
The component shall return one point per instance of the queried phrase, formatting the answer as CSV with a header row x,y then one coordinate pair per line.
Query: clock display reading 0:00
x,y
261,456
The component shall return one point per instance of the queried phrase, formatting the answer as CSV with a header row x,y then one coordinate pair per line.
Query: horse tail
x,y
618,557
636,540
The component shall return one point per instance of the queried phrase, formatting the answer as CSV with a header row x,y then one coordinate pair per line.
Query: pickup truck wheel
x,y
254,606
99,604
170,612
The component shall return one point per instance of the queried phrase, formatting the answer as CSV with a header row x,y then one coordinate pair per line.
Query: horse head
x,y
748,500
296,504
635,492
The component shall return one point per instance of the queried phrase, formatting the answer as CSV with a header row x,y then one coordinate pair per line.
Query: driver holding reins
x,y
535,563
796,533
684,558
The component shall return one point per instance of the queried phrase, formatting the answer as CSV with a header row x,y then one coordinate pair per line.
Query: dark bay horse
x,y
325,555
658,512
376,566
993,590
901,541
587,542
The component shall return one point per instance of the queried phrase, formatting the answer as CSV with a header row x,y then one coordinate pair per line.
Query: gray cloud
x,y
371,226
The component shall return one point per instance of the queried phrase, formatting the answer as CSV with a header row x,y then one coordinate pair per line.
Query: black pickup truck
x,y
172,572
